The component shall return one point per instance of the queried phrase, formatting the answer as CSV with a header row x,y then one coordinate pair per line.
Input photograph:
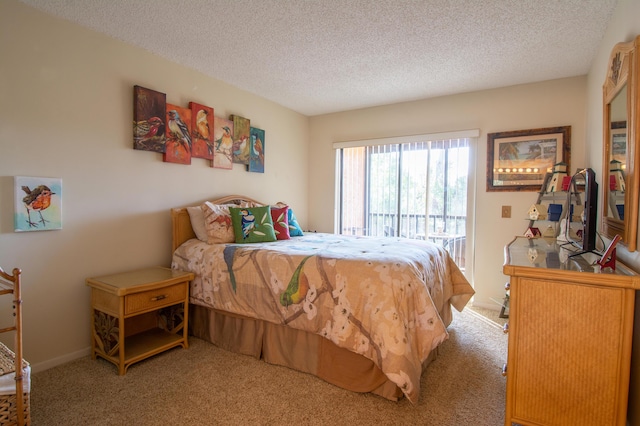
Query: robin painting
x,y
37,200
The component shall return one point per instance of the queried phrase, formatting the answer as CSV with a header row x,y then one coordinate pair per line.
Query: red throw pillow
x,y
280,216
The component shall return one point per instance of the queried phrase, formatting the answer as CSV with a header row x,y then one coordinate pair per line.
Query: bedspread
x,y
388,299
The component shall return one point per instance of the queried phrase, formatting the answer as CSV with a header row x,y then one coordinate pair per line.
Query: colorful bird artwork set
x,y
181,134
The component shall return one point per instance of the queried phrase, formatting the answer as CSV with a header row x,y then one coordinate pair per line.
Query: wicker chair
x,y
14,409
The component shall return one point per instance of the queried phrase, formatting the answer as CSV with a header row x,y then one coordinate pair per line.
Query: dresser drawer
x,y
154,299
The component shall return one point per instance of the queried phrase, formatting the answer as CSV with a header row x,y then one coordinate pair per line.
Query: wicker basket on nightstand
x,y
8,403
14,370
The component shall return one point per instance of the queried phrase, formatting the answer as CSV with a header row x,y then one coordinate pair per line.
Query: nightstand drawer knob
x,y
504,370
505,328
160,297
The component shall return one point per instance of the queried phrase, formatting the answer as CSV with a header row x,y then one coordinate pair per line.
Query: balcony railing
x,y
448,231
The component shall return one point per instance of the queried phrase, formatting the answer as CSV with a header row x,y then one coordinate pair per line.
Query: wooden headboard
x,y
181,229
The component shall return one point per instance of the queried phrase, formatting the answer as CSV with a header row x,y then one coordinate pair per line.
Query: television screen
x,y
589,231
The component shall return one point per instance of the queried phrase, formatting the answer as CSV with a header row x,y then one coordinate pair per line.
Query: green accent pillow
x,y
252,224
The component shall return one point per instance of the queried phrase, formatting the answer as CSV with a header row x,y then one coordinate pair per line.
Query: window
x,y
415,189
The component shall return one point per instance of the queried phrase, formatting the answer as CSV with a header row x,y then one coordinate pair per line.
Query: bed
x,y
363,313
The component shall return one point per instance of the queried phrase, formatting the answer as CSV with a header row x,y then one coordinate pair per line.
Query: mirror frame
x,y
623,71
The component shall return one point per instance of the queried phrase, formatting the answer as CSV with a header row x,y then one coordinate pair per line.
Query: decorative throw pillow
x,y
197,222
294,227
252,224
280,217
217,222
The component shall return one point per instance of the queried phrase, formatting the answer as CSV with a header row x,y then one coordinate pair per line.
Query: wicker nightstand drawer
x,y
154,299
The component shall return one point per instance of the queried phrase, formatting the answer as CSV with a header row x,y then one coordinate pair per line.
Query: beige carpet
x,y
492,314
205,385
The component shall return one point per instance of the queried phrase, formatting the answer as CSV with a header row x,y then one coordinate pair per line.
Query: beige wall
x,y
66,110
548,104
66,97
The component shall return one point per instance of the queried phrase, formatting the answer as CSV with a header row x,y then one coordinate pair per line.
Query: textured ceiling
x,y
321,56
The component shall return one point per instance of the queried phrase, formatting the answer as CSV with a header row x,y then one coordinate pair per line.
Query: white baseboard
x,y
491,306
45,365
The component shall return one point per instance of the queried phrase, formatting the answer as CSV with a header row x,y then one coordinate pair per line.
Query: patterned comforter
x,y
388,299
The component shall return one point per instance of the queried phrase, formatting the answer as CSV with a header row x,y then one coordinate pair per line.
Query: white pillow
x,y
197,222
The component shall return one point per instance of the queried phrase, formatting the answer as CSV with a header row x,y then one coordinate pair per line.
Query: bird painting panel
x,y
38,205
241,139
201,131
222,143
179,142
149,109
256,157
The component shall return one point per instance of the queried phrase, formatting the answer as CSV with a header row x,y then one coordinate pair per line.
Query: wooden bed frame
x,y
181,221
278,344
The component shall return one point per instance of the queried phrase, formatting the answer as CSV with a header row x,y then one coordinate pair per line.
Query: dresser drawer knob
x,y
504,370
162,296
505,328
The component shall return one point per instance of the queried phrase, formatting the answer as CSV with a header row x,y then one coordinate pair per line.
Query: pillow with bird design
x,y
217,222
280,217
252,224
294,227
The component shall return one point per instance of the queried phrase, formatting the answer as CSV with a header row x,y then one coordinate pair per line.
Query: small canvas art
x,y
38,203
241,142
222,143
256,157
179,142
201,131
149,109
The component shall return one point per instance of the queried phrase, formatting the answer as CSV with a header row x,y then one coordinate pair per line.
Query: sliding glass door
x,y
413,190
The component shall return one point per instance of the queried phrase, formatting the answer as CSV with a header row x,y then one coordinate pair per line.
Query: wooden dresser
x,y
570,331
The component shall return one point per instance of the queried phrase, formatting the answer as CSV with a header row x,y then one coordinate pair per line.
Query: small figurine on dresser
x,y
538,212
555,212
567,233
608,259
549,232
557,178
532,232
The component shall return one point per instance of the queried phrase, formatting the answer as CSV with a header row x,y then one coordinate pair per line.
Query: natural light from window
x,y
415,190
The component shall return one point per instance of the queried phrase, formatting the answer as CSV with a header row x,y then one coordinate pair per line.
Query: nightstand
x,y
138,314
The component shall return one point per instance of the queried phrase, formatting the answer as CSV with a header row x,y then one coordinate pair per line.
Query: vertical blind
x,y
413,189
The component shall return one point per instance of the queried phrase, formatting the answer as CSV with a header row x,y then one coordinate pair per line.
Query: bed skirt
x,y
292,348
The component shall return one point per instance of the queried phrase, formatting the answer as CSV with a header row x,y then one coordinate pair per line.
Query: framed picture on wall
x,y
201,131
149,126
519,160
179,141
256,156
241,139
222,143
38,203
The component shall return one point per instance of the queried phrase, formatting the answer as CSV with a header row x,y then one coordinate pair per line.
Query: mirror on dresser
x,y
620,154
